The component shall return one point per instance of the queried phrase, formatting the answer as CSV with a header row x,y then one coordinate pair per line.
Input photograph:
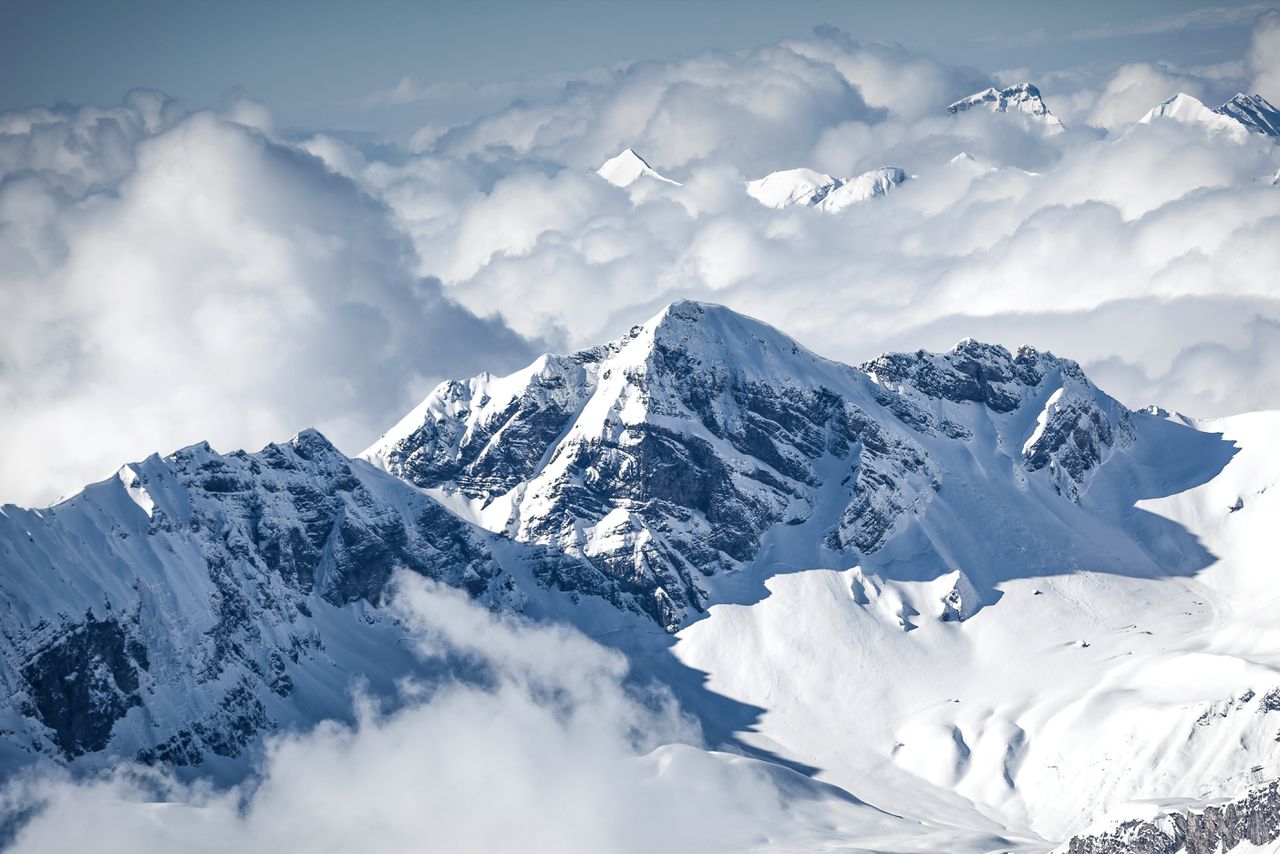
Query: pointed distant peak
x,y
1181,106
1183,100
689,335
688,320
630,155
1188,109
1254,100
627,167
311,442
791,187
1254,112
818,189
1020,98
688,313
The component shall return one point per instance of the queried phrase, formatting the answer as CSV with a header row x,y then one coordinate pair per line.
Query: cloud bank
x,y
172,276
1027,238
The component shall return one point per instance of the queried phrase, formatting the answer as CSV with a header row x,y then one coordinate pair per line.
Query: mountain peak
x,y
819,190
1188,109
792,186
1020,98
627,167
714,337
1255,112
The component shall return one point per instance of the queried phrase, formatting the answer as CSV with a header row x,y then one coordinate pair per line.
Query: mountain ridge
x,y
712,497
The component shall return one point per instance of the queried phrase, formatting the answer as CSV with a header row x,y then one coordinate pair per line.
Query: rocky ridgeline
x,y
186,588
1255,819
663,459
182,609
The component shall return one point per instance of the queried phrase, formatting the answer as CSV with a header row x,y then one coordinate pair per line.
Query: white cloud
x,y
1263,56
1051,227
141,246
1136,88
170,278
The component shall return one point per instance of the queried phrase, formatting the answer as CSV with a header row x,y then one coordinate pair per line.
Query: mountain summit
x,y
1021,98
1239,118
1254,112
814,189
626,168
1189,109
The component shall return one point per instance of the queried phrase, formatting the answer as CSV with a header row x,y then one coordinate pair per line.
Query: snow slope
x,y
1077,691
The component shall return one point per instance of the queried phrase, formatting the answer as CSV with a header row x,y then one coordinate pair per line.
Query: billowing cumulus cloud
x,y
1136,88
1263,57
1002,222
171,277
548,749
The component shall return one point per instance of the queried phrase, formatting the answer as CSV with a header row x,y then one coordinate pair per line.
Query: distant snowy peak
x,y
629,167
816,189
1022,98
1254,112
868,185
792,187
1188,109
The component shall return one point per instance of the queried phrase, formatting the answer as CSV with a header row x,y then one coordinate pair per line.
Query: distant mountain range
x,y
1241,117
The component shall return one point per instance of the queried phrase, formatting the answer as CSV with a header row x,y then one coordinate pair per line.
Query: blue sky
x,y
316,63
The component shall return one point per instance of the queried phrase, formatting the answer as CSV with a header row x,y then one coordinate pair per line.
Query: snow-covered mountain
x,y
1239,118
970,589
1188,109
178,611
626,168
816,189
1020,99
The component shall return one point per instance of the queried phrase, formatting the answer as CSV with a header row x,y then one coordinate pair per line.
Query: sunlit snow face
x,y
173,277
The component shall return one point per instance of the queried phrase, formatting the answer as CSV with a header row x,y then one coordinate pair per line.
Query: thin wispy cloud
x,y
1206,18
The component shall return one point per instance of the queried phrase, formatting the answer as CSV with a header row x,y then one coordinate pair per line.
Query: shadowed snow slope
x,y
967,588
